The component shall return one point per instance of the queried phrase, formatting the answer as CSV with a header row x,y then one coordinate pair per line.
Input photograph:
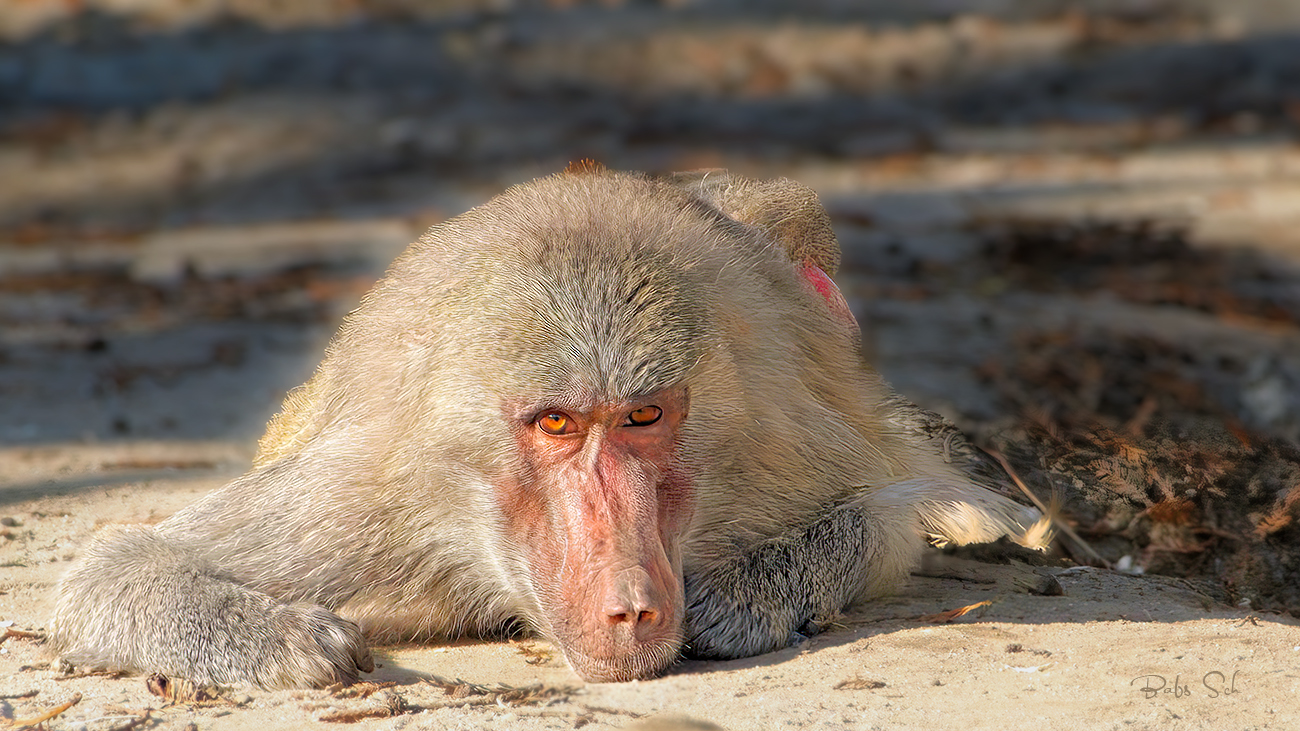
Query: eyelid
x,y
650,418
566,425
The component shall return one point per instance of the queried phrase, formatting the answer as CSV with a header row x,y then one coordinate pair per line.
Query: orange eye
x,y
555,424
644,416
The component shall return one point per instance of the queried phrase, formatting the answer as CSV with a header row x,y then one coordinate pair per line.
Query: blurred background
x,y
1071,227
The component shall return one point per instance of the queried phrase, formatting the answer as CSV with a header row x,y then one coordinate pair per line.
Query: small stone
x,y
11,521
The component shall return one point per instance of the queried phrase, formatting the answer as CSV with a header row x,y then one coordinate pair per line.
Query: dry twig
x,y
499,694
533,654
363,689
132,721
37,720
951,614
22,634
1066,529
391,704
857,682
110,674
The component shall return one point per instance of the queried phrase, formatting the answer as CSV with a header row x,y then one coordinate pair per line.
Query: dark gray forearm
x,y
780,589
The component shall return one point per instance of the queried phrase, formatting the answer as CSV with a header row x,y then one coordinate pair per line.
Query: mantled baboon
x,y
626,412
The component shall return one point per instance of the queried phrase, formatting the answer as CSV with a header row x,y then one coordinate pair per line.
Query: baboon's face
x,y
598,511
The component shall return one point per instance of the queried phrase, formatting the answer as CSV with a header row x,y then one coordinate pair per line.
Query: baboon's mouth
x,y
649,660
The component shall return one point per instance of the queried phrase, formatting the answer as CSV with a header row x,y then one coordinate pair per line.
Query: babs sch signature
x,y
1214,684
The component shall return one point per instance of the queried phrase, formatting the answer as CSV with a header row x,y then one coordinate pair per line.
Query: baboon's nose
x,y
635,603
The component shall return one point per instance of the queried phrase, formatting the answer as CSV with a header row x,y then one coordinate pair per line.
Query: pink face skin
x,y
598,511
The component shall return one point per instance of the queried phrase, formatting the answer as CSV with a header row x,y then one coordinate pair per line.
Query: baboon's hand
x,y
779,591
138,601
722,626
316,648
244,637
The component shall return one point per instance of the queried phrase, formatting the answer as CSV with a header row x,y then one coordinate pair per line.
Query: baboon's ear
x,y
790,212
585,166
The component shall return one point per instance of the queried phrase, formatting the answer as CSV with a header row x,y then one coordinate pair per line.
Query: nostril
x,y
634,603
634,618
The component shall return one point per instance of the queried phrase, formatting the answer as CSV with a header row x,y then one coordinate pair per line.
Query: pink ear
x,y
825,286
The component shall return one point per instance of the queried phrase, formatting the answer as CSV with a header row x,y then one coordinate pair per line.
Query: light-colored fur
x,y
371,497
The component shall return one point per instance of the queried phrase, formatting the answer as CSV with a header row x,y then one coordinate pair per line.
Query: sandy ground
x,y
1115,651
192,194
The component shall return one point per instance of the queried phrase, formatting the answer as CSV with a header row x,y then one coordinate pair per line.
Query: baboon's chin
x,y
647,660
